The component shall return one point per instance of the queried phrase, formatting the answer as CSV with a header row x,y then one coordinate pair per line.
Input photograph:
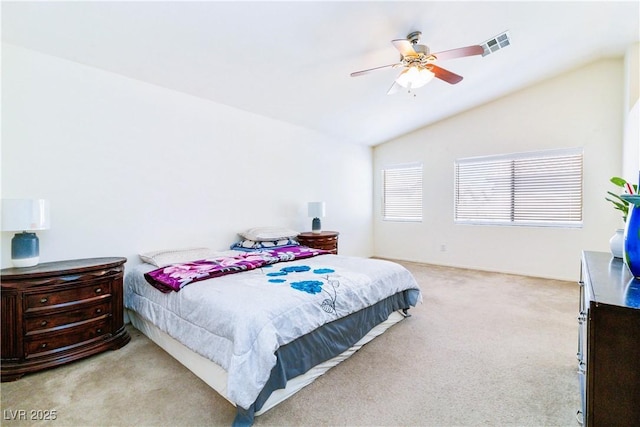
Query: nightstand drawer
x,y
328,244
84,333
75,295
39,324
327,240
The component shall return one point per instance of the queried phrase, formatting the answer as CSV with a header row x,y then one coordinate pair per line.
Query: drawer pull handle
x,y
99,330
43,345
98,290
98,310
44,300
43,323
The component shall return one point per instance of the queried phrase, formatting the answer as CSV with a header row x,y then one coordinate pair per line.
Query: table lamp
x,y
316,210
25,215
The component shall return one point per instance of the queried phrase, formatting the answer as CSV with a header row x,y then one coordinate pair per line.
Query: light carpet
x,y
482,349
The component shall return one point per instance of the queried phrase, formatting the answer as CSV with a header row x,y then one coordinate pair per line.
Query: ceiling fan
x,y
419,63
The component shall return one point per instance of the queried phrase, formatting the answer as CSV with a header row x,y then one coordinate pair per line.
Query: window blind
x,y
542,188
402,193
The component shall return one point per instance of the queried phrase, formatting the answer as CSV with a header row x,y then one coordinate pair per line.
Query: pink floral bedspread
x,y
176,276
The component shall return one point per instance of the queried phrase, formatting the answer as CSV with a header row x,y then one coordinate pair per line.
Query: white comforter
x,y
240,320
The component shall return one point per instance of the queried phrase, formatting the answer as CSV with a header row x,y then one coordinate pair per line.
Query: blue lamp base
x,y
25,250
315,226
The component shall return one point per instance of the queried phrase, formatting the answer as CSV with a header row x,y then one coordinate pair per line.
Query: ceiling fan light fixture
x,y
414,77
420,64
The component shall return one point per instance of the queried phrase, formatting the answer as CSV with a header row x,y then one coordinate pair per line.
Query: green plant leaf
x,y
620,182
618,206
617,197
619,203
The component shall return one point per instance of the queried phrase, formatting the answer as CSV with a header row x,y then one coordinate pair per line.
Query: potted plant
x,y
617,240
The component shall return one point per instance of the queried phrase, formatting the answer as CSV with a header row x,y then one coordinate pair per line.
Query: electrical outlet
x,y
443,248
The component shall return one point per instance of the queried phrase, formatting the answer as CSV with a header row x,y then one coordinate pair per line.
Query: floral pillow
x,y
253,245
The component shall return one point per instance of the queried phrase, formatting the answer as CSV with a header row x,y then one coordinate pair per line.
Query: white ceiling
x,y
291,60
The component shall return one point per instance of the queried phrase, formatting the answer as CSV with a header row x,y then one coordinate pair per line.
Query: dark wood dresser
x,y
608,342
327,240
58,312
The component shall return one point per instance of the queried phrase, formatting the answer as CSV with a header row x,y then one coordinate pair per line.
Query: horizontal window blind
x,y
402,193
542,188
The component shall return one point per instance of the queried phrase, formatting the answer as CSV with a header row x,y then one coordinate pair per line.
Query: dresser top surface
x,y
61,267
610,280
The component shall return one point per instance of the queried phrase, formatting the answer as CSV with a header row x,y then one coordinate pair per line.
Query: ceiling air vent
x,y
496,43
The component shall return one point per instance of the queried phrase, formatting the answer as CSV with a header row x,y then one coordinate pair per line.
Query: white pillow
x,y
261,234
174,256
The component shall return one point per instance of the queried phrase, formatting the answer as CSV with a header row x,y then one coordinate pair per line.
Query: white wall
x,y
582,108
132,167
631,147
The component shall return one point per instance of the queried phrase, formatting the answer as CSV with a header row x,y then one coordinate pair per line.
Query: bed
x,y
259,333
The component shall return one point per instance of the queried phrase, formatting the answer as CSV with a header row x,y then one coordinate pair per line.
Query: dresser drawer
x,y
57,298
43,344
39,324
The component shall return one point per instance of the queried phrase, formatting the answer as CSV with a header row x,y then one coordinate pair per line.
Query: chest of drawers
x,y
608,342
58,312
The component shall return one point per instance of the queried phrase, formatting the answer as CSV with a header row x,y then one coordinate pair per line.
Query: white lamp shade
x,y
316,209
414,77
25,214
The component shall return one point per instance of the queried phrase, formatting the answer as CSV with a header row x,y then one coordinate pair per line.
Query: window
x,y
542,188
402,193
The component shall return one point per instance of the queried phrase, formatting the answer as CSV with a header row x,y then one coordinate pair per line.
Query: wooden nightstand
x,y
327,240
58,312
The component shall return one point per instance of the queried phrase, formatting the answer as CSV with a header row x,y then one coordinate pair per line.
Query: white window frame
x,y
402,187
521,189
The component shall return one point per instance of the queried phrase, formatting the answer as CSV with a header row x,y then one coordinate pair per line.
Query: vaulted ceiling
x,y
292,60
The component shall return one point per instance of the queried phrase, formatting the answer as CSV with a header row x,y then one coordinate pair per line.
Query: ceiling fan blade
x,y
459,52
394,88
405,47
445,75
359,73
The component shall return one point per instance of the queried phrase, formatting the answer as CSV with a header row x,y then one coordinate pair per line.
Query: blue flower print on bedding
x,y
296,269
286,270
277,273
308,286
311,286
